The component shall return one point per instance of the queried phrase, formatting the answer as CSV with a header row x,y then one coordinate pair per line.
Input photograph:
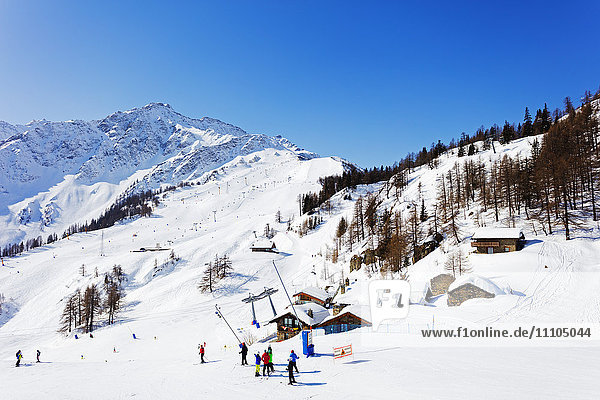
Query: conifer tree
x,y
527,124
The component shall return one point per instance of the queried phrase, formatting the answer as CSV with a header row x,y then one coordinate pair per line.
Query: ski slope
x,y
169,315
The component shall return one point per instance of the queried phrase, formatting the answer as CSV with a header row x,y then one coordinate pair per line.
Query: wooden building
x,y
349,318
310,315
266,246
498,240
312,294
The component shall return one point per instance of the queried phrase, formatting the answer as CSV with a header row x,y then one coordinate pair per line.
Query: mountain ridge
x,y
139,149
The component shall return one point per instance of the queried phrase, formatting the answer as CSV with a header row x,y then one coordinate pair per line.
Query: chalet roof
x,y
262,243
479,281
319,313
497,233
315,292
360,311
356,293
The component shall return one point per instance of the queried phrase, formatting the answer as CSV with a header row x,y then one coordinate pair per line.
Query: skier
x,y
19,356
271,367
38,356
257,363
294,357
265,360
202,353
290,369
244,352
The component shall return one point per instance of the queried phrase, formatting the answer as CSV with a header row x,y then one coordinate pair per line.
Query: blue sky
x,y
368,81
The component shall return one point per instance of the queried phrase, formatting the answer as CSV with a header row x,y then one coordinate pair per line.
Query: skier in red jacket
x,y
266,359
202,352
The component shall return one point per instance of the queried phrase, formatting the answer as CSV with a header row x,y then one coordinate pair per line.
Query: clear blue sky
x,y
368,81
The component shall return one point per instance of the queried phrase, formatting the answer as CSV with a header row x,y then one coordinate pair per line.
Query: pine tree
x,y
423,216
472,150
527,128
546,119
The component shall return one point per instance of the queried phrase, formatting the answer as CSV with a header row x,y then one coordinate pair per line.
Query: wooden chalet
x,y
312,294
310,315
266,246
498,240
349,318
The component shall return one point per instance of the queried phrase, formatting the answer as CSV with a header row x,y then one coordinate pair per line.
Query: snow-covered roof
x,y
479,281
319,313
361,311
263,243
497,233
315,292
356,293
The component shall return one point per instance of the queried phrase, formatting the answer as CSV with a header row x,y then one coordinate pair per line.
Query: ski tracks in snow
x,y
552,286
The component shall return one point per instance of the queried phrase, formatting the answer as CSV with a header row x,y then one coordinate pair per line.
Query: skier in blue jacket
x,y
294,357
257,363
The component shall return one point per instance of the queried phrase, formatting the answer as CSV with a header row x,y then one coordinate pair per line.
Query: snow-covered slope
x,y
53,174
550,282
168,314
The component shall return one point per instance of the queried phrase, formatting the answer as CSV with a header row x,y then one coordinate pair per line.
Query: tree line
x,y
353,176
555,185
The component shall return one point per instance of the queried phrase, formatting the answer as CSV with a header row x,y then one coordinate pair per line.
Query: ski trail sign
x,y
344,351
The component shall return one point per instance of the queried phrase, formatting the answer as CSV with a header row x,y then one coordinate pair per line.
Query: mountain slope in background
x,y
53,174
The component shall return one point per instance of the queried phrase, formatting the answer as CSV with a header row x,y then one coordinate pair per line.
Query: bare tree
x,y
457,263
91,306
69,315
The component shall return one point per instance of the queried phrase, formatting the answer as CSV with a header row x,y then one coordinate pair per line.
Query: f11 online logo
x,y
389,299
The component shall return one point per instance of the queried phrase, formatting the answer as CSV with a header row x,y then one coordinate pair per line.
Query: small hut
x,y
498,240
265,246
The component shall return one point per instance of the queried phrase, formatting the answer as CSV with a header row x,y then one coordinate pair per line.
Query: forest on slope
x,y
551,187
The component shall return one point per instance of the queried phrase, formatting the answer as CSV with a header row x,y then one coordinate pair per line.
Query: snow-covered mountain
x,y
53,174
163,306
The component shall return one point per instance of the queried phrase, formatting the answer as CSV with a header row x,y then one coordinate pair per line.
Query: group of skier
x,y
267,359
19,356
267,363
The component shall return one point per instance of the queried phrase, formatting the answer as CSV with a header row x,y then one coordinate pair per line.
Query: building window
x,y
290,322
507,249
